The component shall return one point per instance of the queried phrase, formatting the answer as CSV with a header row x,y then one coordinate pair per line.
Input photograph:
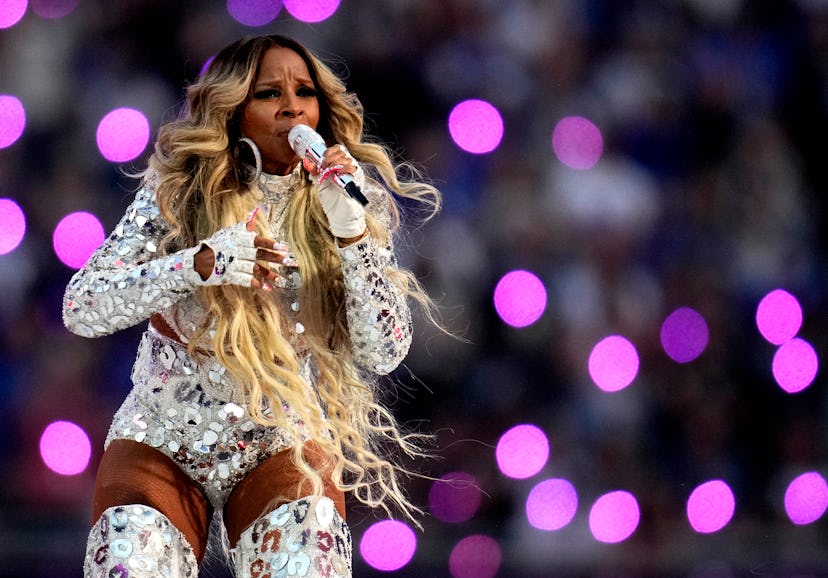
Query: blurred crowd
x,y
709,194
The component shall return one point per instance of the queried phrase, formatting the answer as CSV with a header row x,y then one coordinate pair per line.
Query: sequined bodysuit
x,y
191,409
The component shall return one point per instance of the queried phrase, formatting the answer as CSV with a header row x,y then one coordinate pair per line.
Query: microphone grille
x,y
300,138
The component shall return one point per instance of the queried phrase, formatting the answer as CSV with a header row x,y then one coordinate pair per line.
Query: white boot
x,y
305,538
137,542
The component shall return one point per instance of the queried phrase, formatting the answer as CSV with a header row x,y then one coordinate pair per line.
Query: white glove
x,y
346,216
235,255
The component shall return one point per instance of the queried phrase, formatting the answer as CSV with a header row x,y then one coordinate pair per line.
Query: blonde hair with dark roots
x,y
199,191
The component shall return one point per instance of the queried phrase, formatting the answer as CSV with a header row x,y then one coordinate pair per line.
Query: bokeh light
x,y
254,12
806,498
520,298
311,10
522,451
613,363
476,126
76,237
551,504
11,12
455,497
476,556
684,335
123,134
54,8
795,365
778,316
65,448
12,120
12,226
388,545
614,517
577,142
710,506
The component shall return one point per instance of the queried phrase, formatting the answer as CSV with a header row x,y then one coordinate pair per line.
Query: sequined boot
x,y
137,542
306,538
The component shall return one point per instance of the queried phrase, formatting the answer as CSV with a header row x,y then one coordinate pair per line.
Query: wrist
x,y
345,242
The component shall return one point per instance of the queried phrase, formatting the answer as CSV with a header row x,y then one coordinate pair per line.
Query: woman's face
x,y
283,96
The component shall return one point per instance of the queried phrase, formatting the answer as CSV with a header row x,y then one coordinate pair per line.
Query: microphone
x,y
308,144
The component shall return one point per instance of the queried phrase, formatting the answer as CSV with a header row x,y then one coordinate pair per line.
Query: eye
x,y
267,93
306,91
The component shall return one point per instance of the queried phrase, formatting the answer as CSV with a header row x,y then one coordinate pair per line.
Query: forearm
x,y
379,319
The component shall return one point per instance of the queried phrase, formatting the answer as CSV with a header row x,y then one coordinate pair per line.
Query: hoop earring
x,y
249,174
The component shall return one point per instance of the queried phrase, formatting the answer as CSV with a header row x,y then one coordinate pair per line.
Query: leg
x,y
274,525
152,520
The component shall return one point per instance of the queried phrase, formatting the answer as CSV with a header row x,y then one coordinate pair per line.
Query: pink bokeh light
x,y
311,11
522,451
11,12
684,335
476,126
520,298
613,363
806,498
779,316
614,517
710,507
455,497
577,142
123,134
76,237
254,13
475,556
551,504
12,120
388,545
12,226
795,365
54,9
65,448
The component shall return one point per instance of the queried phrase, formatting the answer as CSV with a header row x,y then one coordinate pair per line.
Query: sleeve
x,y
126,280
379,319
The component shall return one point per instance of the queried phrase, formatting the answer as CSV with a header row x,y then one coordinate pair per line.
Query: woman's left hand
x,y
346,216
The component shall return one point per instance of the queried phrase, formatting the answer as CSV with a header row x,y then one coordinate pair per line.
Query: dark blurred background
x,y
709,194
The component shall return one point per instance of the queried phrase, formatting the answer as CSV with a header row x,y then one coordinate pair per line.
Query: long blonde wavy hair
x,y
200,190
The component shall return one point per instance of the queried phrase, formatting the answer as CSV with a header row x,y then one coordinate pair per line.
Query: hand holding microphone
x,y
340,196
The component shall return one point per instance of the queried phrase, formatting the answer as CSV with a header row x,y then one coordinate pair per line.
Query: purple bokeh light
x,y
455,497
779,316
388,545
710,507
12,120
254,12
54,9
577,142
614,517
76,237
522,451
806,498
476,126
123,134
65,448
11,12
311,10
520,298
475,556
613,363
551,504
795,365
684,335
12,226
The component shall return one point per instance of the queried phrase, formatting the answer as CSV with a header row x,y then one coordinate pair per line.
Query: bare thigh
x,y
135,473
273,482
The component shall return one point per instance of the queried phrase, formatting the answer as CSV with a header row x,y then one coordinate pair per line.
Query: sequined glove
x,y
235,255
346,216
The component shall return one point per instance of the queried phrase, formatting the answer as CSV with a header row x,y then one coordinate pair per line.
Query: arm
x,y
379,319
126,280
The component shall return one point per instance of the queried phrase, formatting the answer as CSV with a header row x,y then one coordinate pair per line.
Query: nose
x,y
291,109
